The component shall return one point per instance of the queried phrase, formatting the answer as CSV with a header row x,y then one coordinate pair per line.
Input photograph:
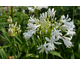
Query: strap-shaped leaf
x,y
56,54
5,46
3,54
18,39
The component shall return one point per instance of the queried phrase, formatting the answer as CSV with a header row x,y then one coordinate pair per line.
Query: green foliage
x,y
21,48
56,54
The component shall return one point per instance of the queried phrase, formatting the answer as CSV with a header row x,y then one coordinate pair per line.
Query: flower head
x,y
43,48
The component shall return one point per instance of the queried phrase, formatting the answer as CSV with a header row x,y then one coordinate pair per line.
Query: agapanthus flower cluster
x,y
62,29
13,28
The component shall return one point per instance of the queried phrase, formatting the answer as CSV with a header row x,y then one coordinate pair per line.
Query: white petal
x,y
40,51
57,42
47,39
39,47
46,51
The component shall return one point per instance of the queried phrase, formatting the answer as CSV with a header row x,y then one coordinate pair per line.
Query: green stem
x,y
37,13
73,13
46,56
62,9
12,12
14,46
27,46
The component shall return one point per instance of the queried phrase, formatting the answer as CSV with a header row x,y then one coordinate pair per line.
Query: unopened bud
x,y
9,20
10,32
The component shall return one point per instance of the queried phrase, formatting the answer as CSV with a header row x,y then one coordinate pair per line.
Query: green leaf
x,y
32,56
18,39
72,55
3,54
78,48
76,54
56,54
5,46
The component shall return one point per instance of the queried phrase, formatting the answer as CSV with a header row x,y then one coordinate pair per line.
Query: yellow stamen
x,y
73,45
57,35
42,50
30,28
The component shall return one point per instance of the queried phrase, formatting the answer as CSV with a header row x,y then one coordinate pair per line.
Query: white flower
x,y
42,16
67,42
40,7
69,25
72,26
28,34
51,47
67,38
52,40
32,26
23,11
57,33
70,32
10,20
45,7
51,13
10,31
31,30
43,48
31,9
31,20
64,20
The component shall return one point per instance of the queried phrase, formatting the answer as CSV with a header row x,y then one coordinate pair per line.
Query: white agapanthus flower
x,y
57,33
67,42
30,9
43,48
67,38
43,15
51,47
28,34
31,30
64,20
32,26
70,32
23,11
31,20
69,25
61,30
52,40
40,7
51,12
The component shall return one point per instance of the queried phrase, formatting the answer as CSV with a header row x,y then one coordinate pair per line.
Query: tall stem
x,y
46,56
73,13
14,46
12,12
37,13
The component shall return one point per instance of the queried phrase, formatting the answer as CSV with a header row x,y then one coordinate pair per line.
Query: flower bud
x,y
9,20
10,32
